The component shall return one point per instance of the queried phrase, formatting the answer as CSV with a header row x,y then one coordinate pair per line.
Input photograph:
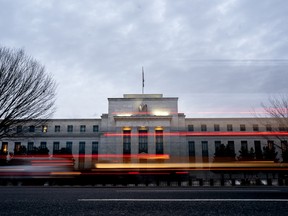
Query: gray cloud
x,y
213,55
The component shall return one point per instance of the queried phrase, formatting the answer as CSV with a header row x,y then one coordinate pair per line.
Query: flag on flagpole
x,y
142,80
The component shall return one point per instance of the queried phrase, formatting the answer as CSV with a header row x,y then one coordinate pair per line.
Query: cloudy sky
x,y
222,58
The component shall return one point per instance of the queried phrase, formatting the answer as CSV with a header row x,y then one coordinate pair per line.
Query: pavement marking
x,y
190,191
183,200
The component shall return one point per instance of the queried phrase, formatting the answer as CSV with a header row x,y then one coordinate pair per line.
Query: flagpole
x,y
142,80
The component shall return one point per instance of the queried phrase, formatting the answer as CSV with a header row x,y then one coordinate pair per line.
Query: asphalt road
x,y
143,201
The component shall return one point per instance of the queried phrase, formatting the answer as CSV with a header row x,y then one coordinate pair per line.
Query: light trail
x,y
209,134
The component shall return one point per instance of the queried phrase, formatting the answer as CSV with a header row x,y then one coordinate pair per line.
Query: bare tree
x,y
27,93
276,113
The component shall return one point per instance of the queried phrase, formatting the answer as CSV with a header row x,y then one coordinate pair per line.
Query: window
x,y
70,128
216,127
30,146
94,148
203,127
69,146
95,128
255,127
231,146
19,129
229,127
126,141
31,128
204,148
82,152
159,141
242,127
4,147
81,147
82,128
44,129
258,150
190,127
57,128
43,145
244,145
268,127
191,148
17,147
143,141
56,147
217,145
284,145
270,144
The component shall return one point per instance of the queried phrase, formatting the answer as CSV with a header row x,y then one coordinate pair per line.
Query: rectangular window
x,y
43,145
190,127
268,127
159,141
244,145
191,148
258,150
229,127
56,146
94,148
205,149
143,141
217,145
57,128
242,127
231,146
216,127
69,128
255,127
4,147
203,127
19,129
44,128
82,128
95,128
69,146
17,147
30,146
31,128
82,152
284,145
270,144
126,141
82,148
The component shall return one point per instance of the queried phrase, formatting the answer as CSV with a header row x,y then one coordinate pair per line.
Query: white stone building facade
x,y
145,124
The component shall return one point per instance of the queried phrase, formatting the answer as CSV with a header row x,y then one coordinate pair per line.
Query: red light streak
x,y
181,173
133,173
132,156
235,133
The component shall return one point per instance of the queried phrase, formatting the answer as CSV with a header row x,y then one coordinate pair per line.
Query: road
x,y
143,201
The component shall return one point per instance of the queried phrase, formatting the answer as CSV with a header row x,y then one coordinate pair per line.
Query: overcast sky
x,y
222,58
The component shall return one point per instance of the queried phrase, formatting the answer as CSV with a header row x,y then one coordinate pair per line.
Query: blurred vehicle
x,y
35,170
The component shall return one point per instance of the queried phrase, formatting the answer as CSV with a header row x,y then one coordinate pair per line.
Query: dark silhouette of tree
x,y
259,155
224,154
245,155
26,92
269,153
22,151
276,115
38,151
